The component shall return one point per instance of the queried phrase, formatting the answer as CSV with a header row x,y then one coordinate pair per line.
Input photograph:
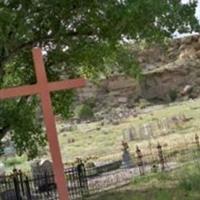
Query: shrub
x,y
9,162
90,165
191,179
173,95
84,112
91,102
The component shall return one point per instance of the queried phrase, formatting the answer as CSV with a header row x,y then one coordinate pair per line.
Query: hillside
x,y
170,72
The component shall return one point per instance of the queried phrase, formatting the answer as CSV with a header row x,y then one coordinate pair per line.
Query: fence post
x,y
28,191
197,141
161,157
140,161
16,184
46,180
82,178
21,181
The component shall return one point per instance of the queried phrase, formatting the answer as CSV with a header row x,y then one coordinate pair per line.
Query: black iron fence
x,y
19,186
84,182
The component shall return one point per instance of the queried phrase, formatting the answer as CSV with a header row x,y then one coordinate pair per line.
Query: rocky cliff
x,y
170,72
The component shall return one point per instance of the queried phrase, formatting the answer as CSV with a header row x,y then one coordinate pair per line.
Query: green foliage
x,y
26,129
90,165
83,38
173,94
191,179
91,102
64,108
13,161
84,112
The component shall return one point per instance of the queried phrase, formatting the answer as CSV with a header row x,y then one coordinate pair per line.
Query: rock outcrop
x,y
170,72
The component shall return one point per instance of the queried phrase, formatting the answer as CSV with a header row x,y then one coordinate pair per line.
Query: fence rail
x,y
84,182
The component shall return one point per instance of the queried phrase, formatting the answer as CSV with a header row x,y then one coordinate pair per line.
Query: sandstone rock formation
x,y
168,71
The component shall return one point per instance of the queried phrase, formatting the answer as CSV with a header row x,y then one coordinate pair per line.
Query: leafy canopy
x,y
79,38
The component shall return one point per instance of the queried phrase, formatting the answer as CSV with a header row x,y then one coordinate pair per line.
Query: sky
x,y
177,35
198,8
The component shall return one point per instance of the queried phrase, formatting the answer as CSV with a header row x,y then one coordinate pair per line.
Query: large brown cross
x,y
43,88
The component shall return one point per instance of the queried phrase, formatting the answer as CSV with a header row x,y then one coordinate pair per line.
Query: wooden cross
x,y
43,88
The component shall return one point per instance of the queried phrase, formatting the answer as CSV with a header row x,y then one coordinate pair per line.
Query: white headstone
x,y
42,171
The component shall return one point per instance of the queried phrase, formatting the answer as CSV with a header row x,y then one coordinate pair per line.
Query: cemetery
x,y
99,100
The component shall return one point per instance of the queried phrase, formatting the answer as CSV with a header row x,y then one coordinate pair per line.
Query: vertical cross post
x,y
50,125
43,89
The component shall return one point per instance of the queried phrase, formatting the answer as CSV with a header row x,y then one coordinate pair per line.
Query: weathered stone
x,y
67,127
186,90
129,134
122,99
115,122
42,171
70,140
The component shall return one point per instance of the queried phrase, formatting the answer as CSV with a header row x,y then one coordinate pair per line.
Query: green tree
x,y
80,38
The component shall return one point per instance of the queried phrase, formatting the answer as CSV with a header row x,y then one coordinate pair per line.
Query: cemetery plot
x,y
85,181
155,129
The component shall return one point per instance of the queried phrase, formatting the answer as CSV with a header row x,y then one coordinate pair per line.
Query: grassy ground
x,y
180,184
104,142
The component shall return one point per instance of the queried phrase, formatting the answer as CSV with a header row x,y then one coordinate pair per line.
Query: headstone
x,y
46,166
9,151
122,99
127,161
154,129
164,129
8,146
141,132
129,134
175,121
147,131
183,118
66,128
42,171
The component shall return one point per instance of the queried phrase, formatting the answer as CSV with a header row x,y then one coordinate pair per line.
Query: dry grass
x,y
104,142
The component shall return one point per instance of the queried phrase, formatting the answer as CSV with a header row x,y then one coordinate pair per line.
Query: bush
x,y
191,179
84,112
90,165
11,162
173,95
91,102
191,182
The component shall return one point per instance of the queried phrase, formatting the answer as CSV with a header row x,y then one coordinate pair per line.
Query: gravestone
x,y
154,129
127,161
148,133
141,132
129,134
183,118
9,151
167,124
42,171
175,121
170,121
8,146
164,129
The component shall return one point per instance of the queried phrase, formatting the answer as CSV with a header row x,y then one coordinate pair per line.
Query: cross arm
x,y
66,84
18,91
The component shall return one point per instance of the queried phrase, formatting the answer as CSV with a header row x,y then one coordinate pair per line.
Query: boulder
x,y
186,90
